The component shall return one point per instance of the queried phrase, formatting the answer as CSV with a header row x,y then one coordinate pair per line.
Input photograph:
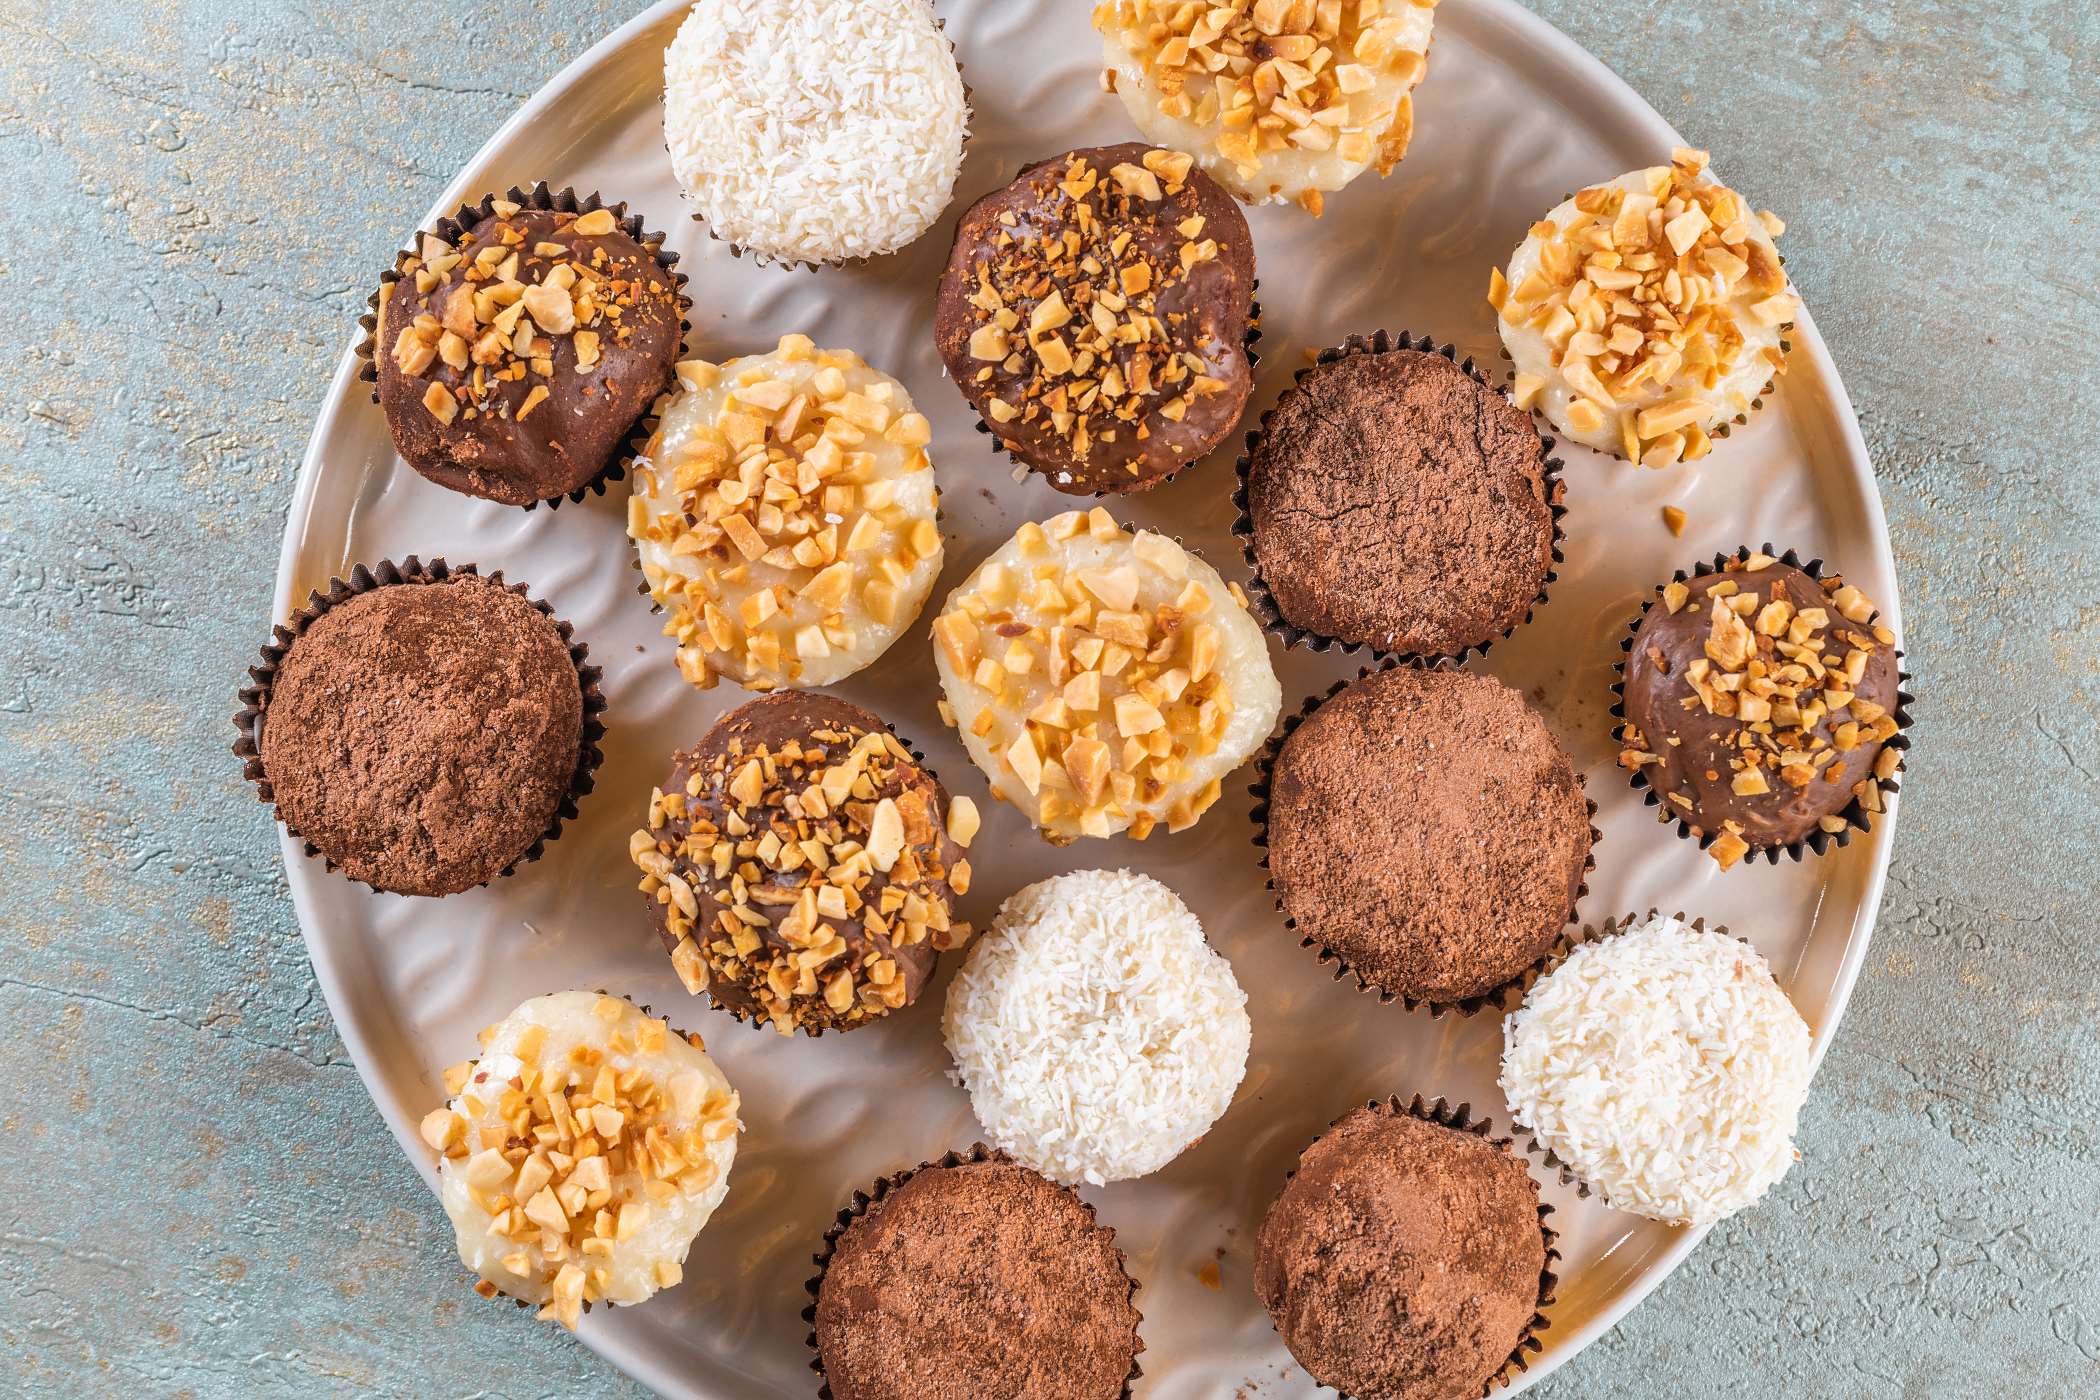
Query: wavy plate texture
x,y
1511,118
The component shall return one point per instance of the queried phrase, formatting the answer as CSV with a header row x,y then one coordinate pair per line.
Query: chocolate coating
x,y
1399,502
802,733
1198,320
1692,750
1426,828
422,736
972,1282
585,416
1403,1258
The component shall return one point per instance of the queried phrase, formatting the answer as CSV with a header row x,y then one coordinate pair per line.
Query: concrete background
x,y
206,1203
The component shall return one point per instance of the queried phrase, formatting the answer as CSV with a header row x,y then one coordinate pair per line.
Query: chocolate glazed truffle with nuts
x,y
1096,313
522,344
1763,705
802,867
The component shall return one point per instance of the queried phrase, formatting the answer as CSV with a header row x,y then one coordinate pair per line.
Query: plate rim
x,y
1518,26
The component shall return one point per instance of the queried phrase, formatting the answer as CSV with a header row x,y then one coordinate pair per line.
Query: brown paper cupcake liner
x,y
1855,814
1248,344
567,201
1498,997
745,1017
255,696
858,1206
794,263
1262,600
1460,1118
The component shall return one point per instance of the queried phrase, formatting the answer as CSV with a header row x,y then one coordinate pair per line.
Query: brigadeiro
x,y
802,866
520,343
1394,499
1426,831
1761,705
423,728
973,1277
1407,1256
1097,313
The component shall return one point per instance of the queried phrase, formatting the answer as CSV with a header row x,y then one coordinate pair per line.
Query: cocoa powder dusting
x,y
422,735
1398,502
976,1282
1427,827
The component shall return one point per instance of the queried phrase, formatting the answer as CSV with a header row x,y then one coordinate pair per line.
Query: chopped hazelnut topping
x,y
1101,699
1276,77
1786,671
1641,292
784,520
1074,316
572,1152
498,304
791,869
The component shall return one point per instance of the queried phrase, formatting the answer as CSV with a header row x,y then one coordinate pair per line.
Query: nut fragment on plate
x,y
785,515
1642,312
1279,99
1105,681
802,867
581,1153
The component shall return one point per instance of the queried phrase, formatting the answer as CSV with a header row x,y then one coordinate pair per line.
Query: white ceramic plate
x,y
1511,117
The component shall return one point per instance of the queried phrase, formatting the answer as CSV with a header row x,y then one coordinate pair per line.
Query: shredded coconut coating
x,y
1665,1067
1097,1032
814,130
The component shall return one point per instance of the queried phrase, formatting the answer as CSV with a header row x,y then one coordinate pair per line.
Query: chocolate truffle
x,y
1403,1257
423,735
976,1279
517,352
1428,831
1095,314
1759,703
802,867
1398,502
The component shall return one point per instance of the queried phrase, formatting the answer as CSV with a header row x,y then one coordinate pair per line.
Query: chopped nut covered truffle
x,y
582,1152
1646,310
1282,98
1106,681
785,517
802,867
1759,705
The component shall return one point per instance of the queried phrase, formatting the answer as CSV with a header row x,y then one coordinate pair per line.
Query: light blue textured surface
x,y
204,1201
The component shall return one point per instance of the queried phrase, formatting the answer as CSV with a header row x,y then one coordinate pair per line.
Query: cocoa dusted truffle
x,y
1426,828
1760,703
517,352
1095,313
1404,1257
975,1278
424,735
1396,501
801,866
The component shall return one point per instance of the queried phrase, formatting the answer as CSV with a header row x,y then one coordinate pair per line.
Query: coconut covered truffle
x,y
814,131
582,1152
1641,313
1099,1035
785,517
1664,1067
1105,681
1280,99
802,867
